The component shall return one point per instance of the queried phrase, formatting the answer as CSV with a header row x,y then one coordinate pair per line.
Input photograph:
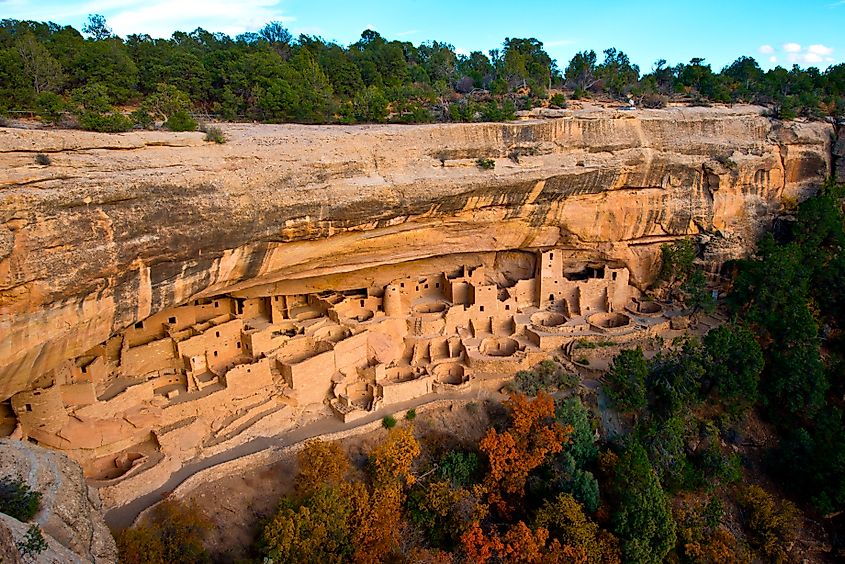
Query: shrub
x,y
214,134
472,407
558,101
33,543
460,468
174,535
546,377
50,107
411,415
771,524
43,159
654,101
18,500
181,121
113,122
485,163
142,118
389,422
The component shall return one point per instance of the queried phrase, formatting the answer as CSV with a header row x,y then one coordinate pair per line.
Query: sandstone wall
x,y
122,226
70,510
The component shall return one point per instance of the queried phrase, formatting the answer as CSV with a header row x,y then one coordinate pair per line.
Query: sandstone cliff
x,y
122,226
70,512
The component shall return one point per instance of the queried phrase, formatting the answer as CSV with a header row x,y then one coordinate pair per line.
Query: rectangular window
x,y
139,325
217,333
482,308
215,353
171,320
239,344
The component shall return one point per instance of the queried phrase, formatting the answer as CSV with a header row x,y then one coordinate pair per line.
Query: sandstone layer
x,y
120,227
70,513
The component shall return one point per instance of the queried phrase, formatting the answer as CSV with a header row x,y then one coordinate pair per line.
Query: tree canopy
x,y
269,75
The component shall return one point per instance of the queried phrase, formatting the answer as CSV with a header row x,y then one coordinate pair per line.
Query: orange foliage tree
x,y
392,458
320,462
532,435
375,523
518,545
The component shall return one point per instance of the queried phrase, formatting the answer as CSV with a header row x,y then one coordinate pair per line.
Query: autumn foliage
x,y
174,534
533,434
320,462
393,457
519,544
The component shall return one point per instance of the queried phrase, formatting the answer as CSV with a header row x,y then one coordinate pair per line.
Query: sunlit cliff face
x,y
121,227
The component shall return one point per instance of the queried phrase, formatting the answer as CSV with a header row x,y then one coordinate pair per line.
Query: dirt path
x,y
123,516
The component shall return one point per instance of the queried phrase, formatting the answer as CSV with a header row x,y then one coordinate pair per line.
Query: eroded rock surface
x,y
120,227
70,510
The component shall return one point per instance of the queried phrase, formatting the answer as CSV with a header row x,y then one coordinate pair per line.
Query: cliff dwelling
x,y
199,374
184,300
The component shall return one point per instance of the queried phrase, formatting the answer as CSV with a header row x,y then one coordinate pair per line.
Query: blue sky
x,y
807,32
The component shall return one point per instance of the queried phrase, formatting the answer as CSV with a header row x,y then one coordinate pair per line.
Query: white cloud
x,y
816,54
462,51
820,49
371,27
806,58
160,18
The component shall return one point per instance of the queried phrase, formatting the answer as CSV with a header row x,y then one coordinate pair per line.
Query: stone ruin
x,y
198,375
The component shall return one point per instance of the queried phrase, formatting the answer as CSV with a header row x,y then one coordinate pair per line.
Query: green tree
x,y
42,71
733,364
370,105
581,72
582,439
626,380
643,519
617,73
697,295
17,499
96,28
524,62
676,261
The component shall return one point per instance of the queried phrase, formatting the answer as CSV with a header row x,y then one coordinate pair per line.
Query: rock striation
x,y
70,514
120,227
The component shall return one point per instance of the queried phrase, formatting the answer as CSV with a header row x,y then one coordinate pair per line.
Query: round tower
x,y
393,302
